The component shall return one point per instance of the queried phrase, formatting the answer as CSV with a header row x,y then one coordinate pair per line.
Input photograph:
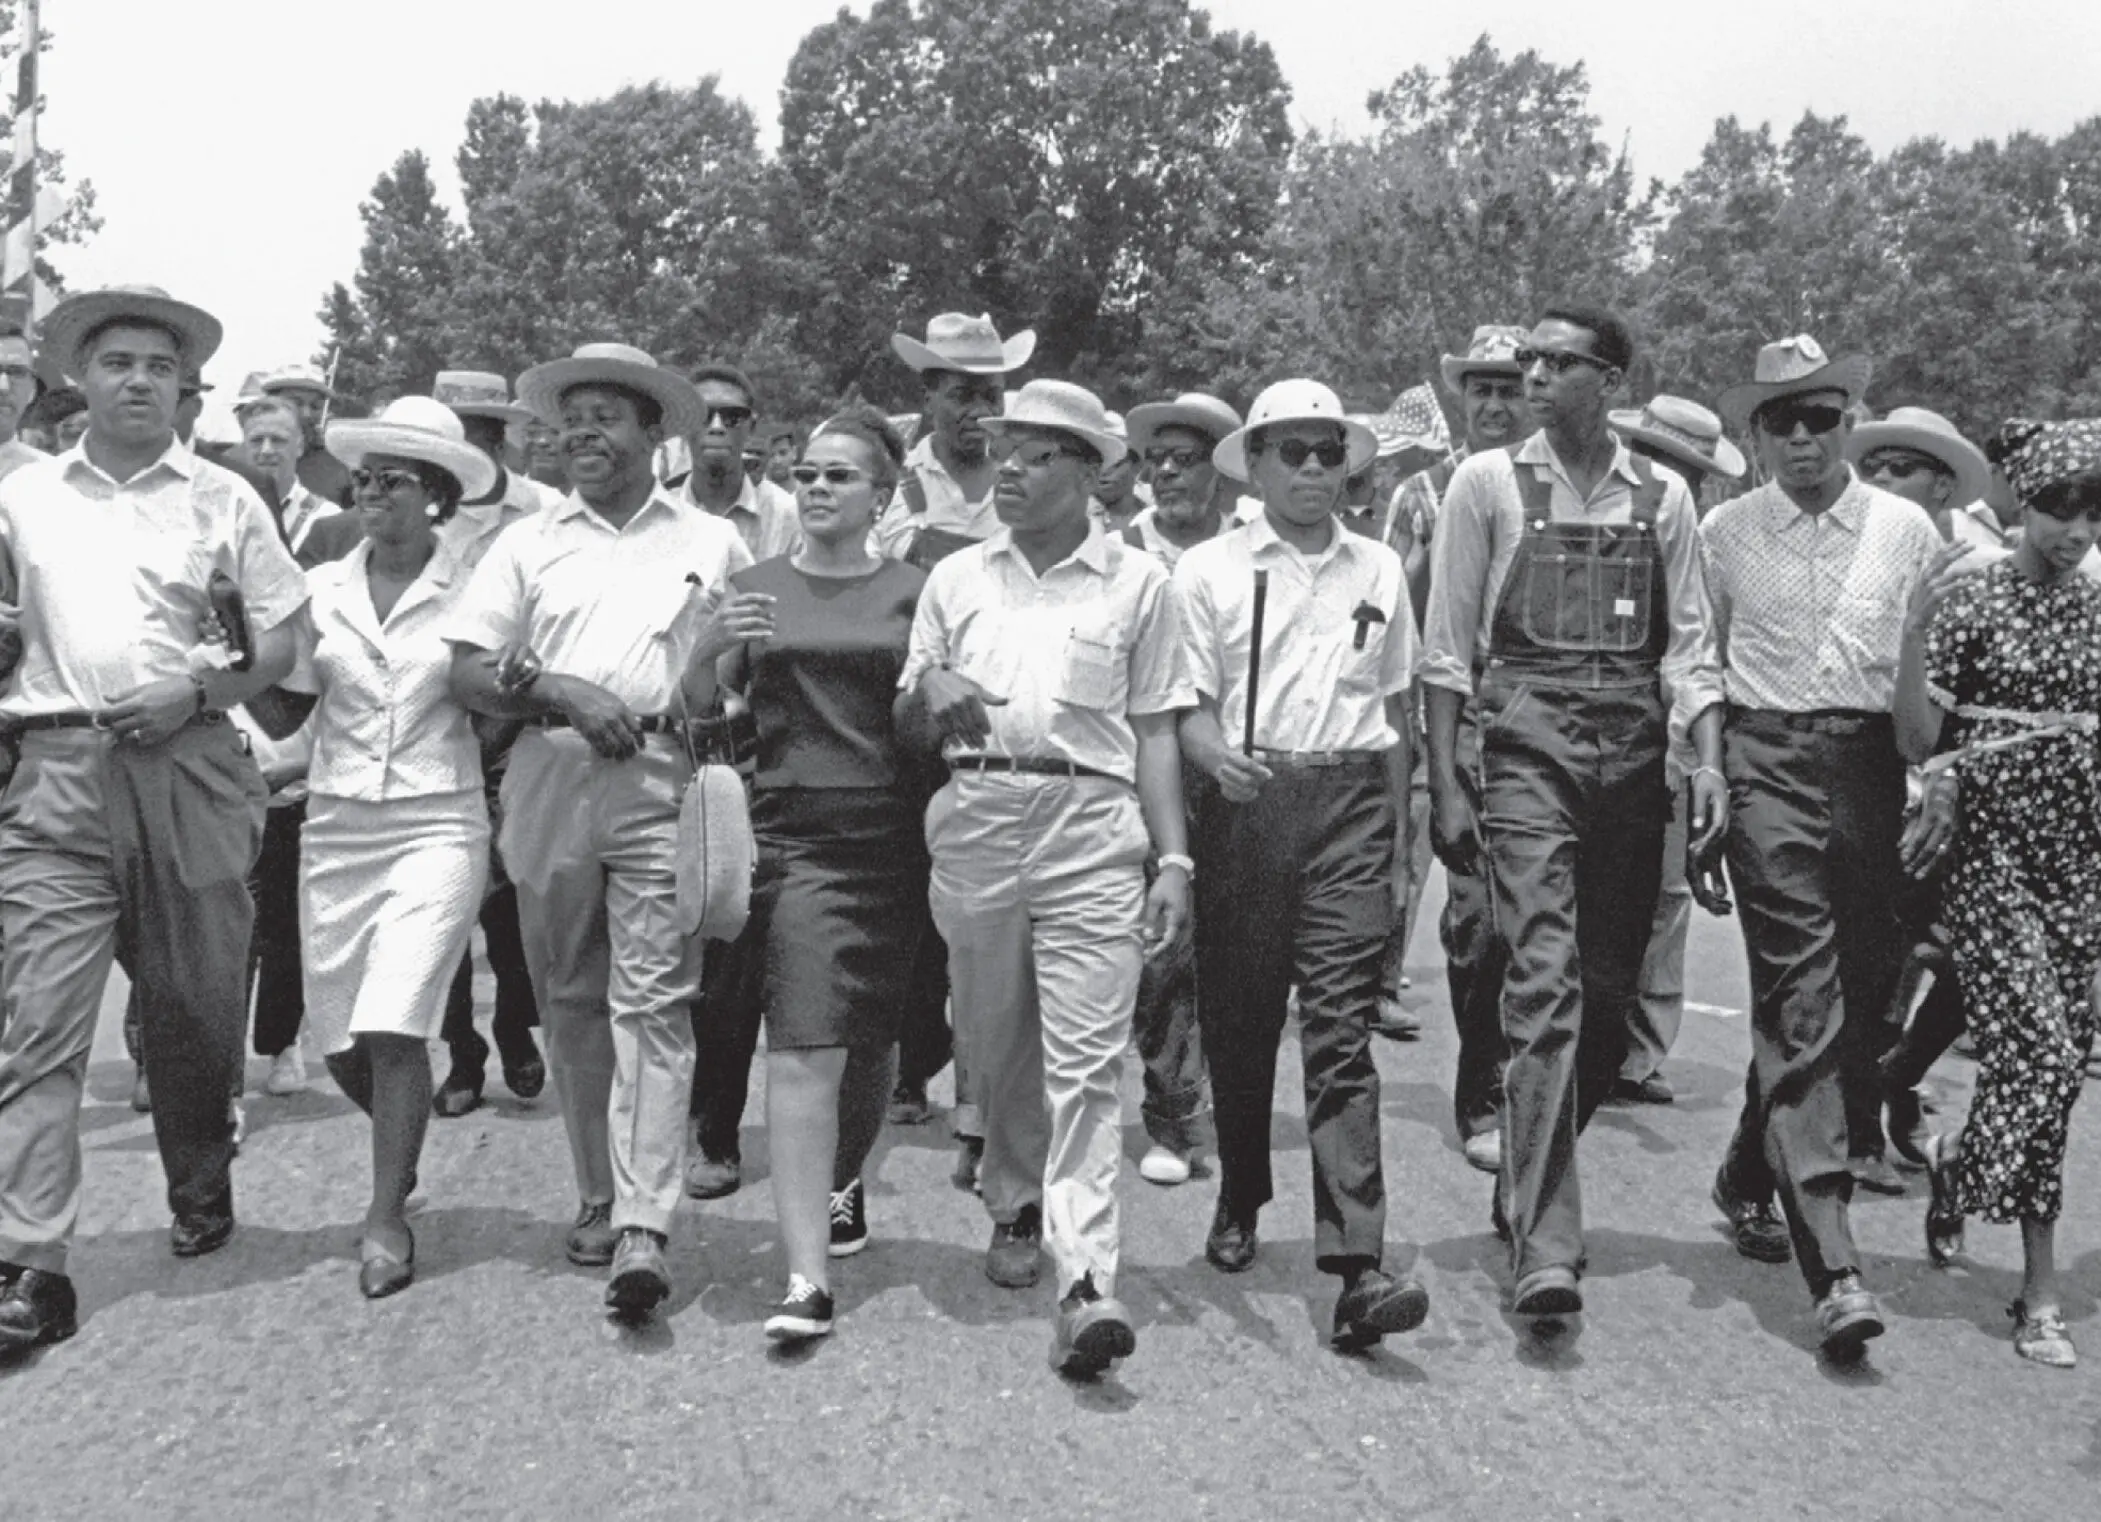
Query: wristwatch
x,y
1177,859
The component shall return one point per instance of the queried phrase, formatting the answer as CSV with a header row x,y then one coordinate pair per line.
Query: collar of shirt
x,y
1265,544
177,458
1093,552
921,457
1849,512
1535,450
574,506
347,576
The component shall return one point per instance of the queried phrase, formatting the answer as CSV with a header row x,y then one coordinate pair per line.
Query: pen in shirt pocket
x,y
1365,616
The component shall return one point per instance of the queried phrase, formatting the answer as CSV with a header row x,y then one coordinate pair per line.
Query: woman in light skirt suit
x,y
395,852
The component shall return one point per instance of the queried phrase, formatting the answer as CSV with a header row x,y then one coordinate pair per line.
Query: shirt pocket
x,y
1867,630
1094,675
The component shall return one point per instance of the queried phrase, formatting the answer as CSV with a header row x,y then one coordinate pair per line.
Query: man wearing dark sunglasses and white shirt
x,y
1565,596
1810,576
762,514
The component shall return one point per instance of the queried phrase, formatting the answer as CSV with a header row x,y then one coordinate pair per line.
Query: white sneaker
x,y
287,1073
1485,1151
1163,1165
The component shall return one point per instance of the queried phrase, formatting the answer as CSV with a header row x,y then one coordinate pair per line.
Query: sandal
x,y
380,1273
1943,1215
2042,1338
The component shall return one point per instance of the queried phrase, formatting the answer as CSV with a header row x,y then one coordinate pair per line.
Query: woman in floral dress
x,y
2001,674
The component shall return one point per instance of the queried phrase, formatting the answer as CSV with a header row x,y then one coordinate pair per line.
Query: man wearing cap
x,y
481,400
1047,661
1489,389
1810,575
1304,842
598,622
1566,599
1920,456
135,812
307,389
1681,436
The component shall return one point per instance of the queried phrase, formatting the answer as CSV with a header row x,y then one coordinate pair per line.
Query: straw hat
x,y
1295,401
1193,410
1492,352
297,378
479,393
614,364
1685,431
77,316
1929,434
969,344
1793,367
416,428
1065,407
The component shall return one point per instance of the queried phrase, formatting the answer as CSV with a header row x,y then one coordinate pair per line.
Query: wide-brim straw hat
x,y
1065,407
298,378
614,364
1194,410
1928,433
415,428
479,393
1296,401
957,341
1685,431
1793,367
77,316
1493,351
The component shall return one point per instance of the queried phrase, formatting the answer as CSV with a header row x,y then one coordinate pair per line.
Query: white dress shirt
x,y
946,506
763,515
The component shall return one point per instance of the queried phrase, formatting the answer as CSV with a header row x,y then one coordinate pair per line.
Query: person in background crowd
x,y
306,388
273,441
1918,455
1537,550
1685,437
1302,837
783,447
2003,670
543,455
396,847
1120,495
753,456
842,855
1066,777
18,391
481,400
58,418
597,619
1191,501
1489,388
134,812
1809,575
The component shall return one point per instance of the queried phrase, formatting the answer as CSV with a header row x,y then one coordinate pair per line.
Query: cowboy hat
x,y
1927,433
478,393
74,318
1414,421
1295,401
1492,352
1792,367
1685,431
1193,410
969,344
416,428
614,364
1065,407
298,378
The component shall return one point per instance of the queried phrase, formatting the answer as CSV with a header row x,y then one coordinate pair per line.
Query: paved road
x,y
256,1384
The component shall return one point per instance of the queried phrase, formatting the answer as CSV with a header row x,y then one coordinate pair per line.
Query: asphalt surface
x,y
255,1383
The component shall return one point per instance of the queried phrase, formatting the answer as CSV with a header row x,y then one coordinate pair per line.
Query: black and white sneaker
x,y
849,1221
805,1311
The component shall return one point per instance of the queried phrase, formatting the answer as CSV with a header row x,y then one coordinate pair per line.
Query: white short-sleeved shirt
x,y
611,606
1075,652
387,725
1328,664
473,527
113,575
763,515
947,508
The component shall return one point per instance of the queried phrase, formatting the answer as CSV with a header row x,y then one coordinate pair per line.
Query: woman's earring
x,y
431,510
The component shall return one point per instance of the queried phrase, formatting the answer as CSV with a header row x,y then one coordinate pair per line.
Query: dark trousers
x,y
1572,820
924,1041
517,1014
1164,1029
276,976
726,1021
1296,888
1935,1026
1474,964
1813,858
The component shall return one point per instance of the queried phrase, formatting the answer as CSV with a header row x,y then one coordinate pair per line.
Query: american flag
x,y
1415,420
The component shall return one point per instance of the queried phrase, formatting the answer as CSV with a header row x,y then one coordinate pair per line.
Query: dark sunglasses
x,y
830,475
1782,418
1181,457
391,480
1293,452
1028,454
1557,361
1901,463
730,417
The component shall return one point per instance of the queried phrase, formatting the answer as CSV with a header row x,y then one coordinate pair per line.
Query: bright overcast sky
x,y
230,141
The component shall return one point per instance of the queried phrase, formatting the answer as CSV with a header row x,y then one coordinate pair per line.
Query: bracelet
x,y
1177,859
1712,771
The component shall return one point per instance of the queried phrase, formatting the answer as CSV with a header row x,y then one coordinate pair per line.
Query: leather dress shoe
x,y
1652,1090
1376,1306
908,1105
641,1278
713,1178
1014,1258
1872,1172
1094,1330
459,1095
380,1273
36,1308
592,1239
1484,1150
141,1095
1907,1126
970,1161
527,1079
1230,1246
1549,1291
193,1236
1847,1317
1396,1022
1759,1232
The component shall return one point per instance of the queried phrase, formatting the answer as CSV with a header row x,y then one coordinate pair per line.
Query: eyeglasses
x,y
1181,457
1558,361
1294,453
731,416
1026,454
15,372
830,475
1901,463
390,480
1782,418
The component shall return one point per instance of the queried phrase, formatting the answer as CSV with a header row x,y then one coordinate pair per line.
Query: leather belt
x,y
1320,760
80,718
1035,766
1815,721
650,723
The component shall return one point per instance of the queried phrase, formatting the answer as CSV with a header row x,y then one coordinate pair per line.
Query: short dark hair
x,y
649,412
869,426
484,433
783,431
722,370
1610,338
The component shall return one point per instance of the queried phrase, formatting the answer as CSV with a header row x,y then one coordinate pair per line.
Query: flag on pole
x,y
1415,420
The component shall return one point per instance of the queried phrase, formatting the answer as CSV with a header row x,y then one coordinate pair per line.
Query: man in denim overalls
x,y
1566,588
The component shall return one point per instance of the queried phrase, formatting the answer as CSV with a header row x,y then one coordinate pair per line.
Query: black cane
x,y
1254,657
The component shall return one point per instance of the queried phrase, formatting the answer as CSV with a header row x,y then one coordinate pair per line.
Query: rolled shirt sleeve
x,y
1460,555
1692,666
1159,674
491,612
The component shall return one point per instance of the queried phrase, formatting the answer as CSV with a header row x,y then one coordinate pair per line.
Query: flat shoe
x,y
526,1080
2042,1338
1943,1215
380,1273
1549,1291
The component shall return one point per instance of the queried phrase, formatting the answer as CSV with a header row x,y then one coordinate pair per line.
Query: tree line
x,y
1125,179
